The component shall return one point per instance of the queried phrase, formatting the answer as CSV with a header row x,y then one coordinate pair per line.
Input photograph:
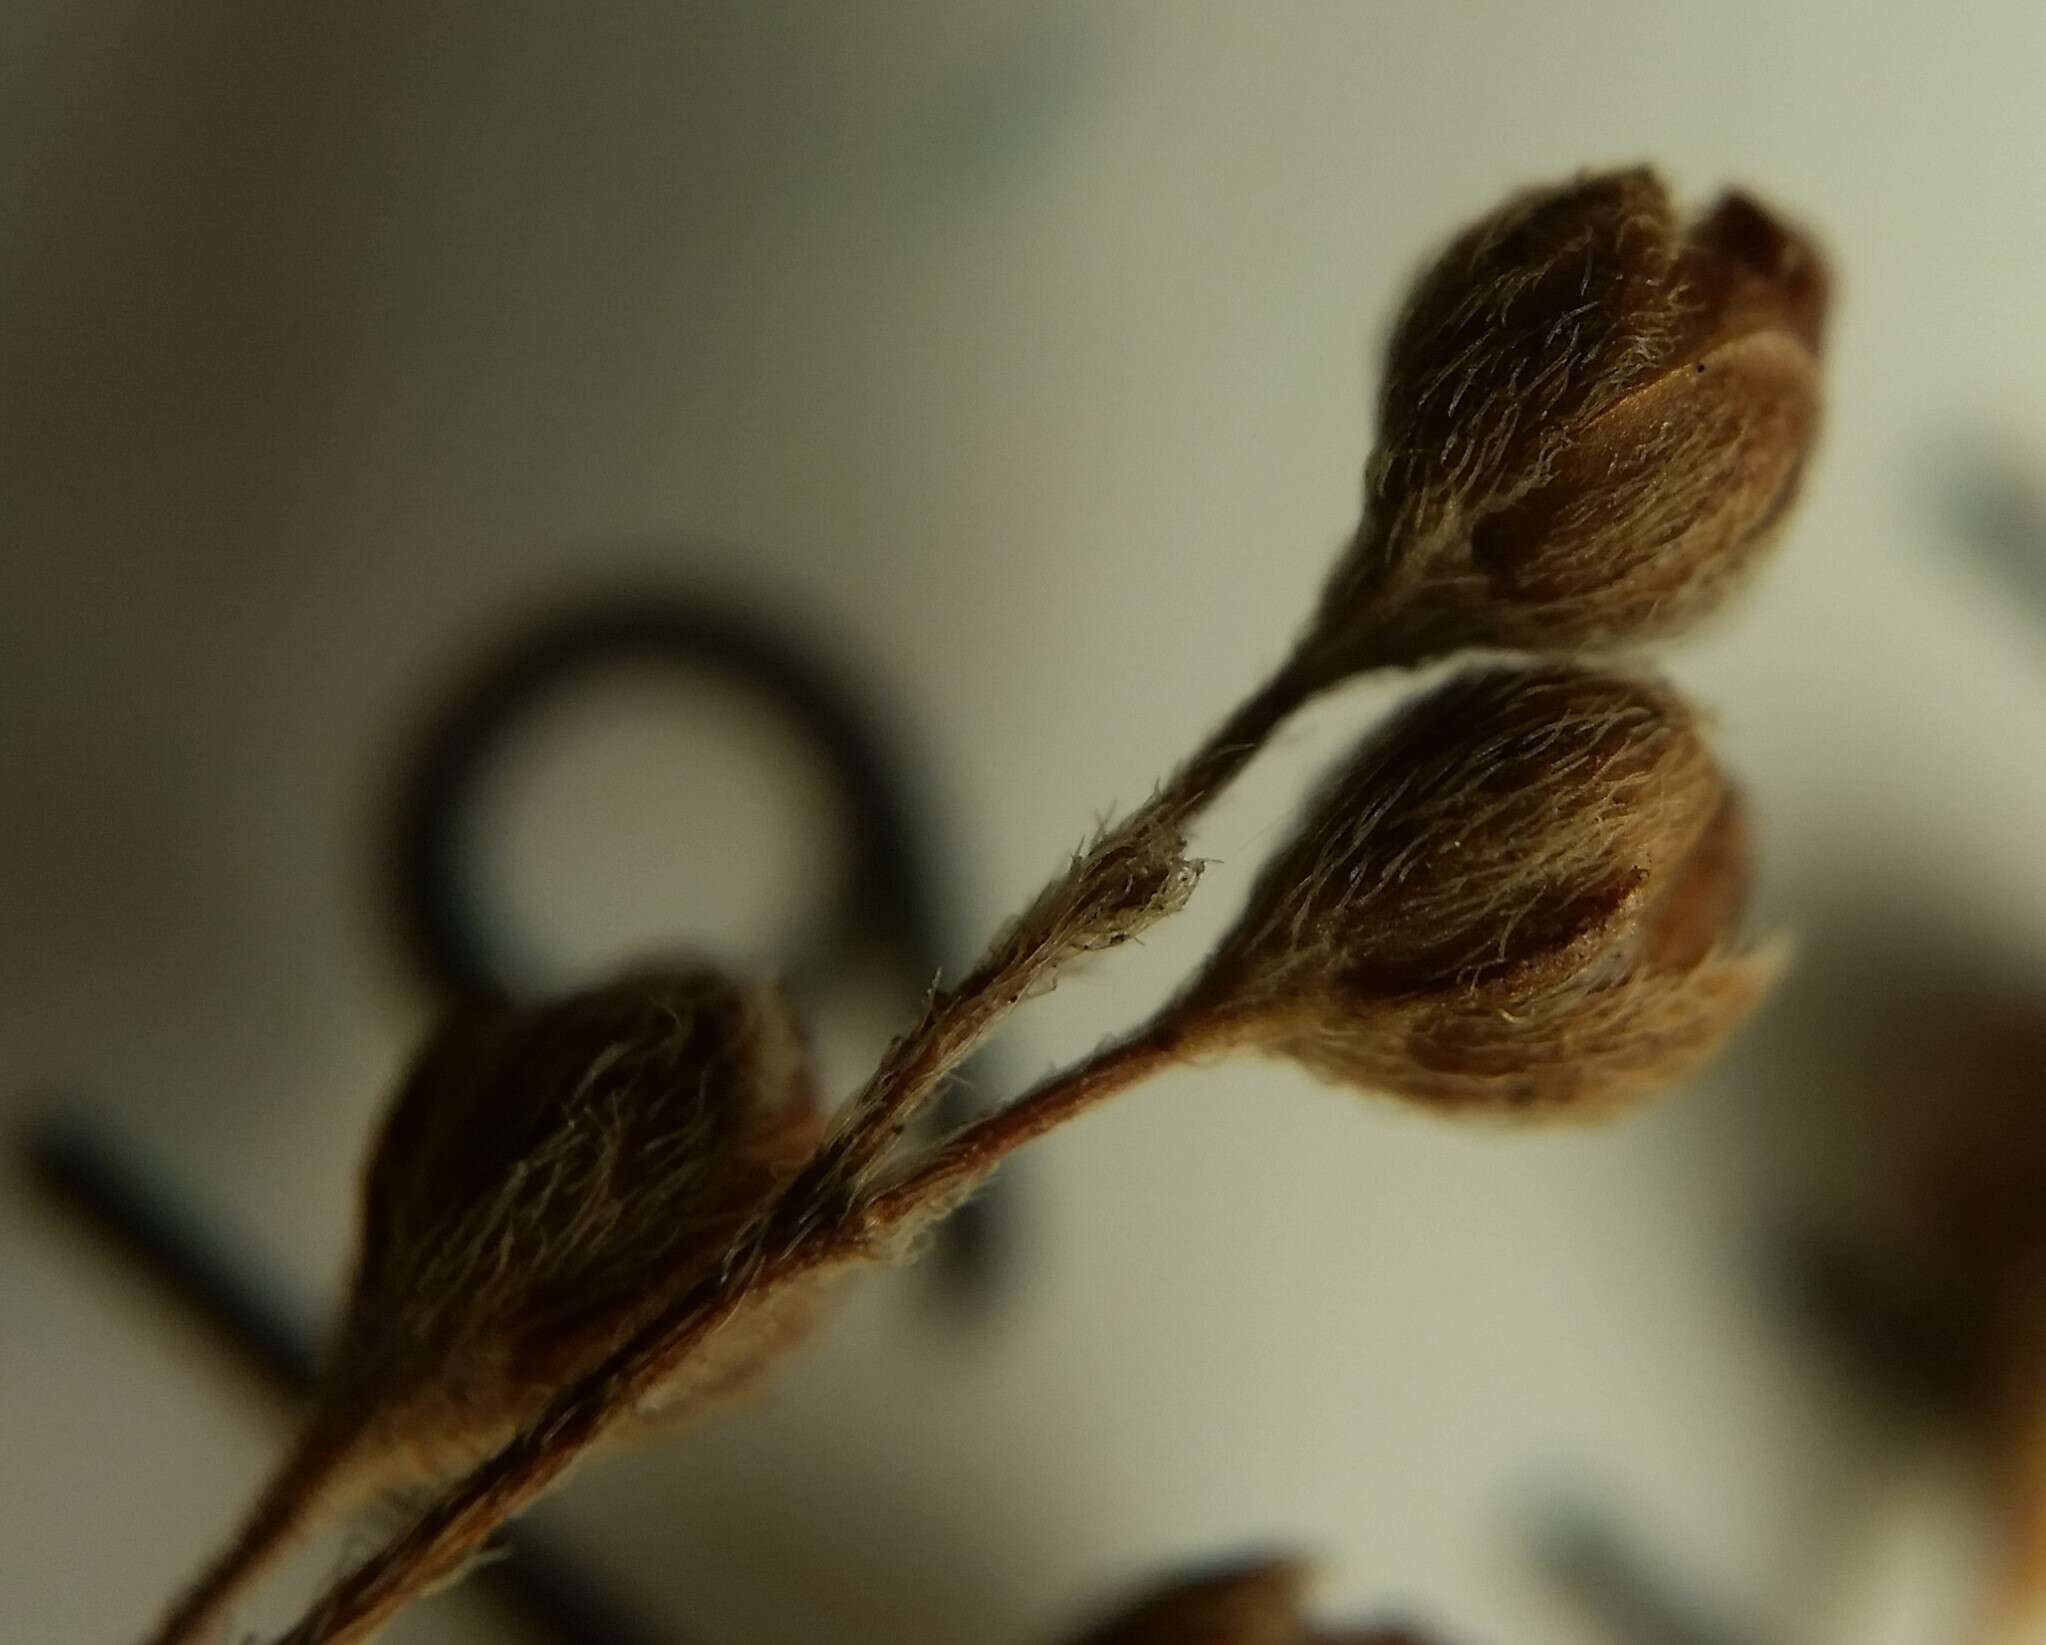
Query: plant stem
x,y
1231,745
827,1216
449,1532
958,1020
286,1504
970,1155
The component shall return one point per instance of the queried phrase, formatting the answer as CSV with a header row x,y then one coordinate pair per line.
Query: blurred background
x,y
1011,361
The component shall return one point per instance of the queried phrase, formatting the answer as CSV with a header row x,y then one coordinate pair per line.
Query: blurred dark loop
x,y
893,902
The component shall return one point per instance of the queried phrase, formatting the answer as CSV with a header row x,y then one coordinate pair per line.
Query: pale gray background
x,y
1028,348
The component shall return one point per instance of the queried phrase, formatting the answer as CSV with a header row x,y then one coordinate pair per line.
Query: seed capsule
x,y
543,1178
1594,418
1518,897
545,1175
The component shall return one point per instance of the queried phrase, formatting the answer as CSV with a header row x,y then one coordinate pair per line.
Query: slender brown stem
x,y
826,1216
452,1529
955,1021
1231,745
283,1509
959,1019
970,1155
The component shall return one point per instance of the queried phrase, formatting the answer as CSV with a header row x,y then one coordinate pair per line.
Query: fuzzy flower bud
x,y
1594,416
1517,897
544,1175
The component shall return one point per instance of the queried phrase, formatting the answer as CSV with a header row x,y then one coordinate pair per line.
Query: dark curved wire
x,y
462,948
894,889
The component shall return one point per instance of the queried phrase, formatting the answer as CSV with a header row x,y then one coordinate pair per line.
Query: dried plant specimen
x,y
1521,897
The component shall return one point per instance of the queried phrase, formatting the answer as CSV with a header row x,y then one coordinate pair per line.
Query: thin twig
x,y
956,1021
832,1214
965,1160
286,1505
1230,747
451,1530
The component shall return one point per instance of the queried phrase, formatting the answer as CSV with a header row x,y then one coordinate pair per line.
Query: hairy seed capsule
x,y
1594,417
1517,897
544,1175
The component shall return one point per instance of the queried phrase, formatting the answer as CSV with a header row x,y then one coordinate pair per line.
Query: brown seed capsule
x,y
1593,418
1517,897
543,1176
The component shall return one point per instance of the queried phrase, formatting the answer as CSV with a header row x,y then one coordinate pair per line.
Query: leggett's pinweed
x,y
1520,898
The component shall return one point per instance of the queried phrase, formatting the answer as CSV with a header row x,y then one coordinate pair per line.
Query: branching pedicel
x,y
1520,898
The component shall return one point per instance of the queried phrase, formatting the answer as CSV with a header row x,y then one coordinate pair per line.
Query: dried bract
x,y
1518,898
1132,876
546,1175
1594,416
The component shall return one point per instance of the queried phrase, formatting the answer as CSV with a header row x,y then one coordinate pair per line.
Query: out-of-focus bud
x,y
1516,898
544,1175
1593,418
1259,1602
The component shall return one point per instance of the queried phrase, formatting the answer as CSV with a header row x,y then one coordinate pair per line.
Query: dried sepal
x,y
1594,417
1254,1602
547,1174
1518,898
1131,876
